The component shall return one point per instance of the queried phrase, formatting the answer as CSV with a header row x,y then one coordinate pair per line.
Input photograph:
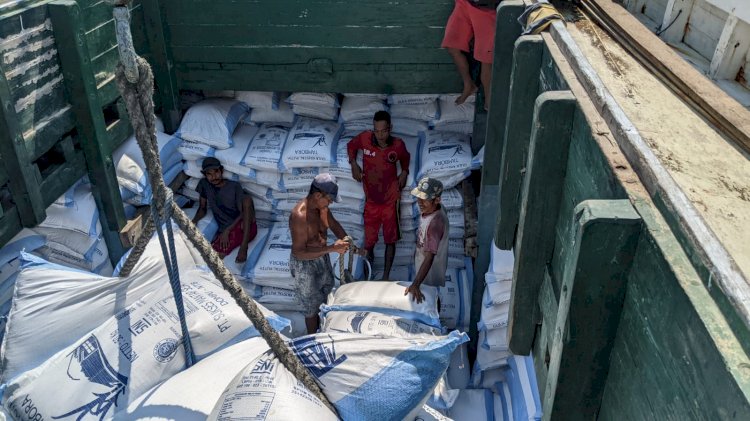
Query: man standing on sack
x,y
381,182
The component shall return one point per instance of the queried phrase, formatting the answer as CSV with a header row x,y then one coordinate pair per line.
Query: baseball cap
x,y
210,163
428,188
326,182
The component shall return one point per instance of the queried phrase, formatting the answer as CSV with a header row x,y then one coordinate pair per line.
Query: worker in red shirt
x,y
381,182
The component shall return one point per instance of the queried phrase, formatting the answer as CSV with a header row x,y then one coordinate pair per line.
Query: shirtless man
x,y
309,261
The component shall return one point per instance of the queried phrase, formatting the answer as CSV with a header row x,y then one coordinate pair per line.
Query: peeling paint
x,y
24,67
13,41
12,55
46,89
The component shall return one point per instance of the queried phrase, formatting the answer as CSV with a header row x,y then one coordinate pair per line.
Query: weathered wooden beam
x,y
681,77
506,32
591,299
524,88
540,203
82,92
675,20
24,178
163,64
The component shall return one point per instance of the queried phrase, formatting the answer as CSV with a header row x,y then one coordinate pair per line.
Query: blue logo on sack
x,y
318,357
165,350
88,360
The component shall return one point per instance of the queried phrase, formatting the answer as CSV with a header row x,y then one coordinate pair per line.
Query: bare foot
x,y
469,90
241,256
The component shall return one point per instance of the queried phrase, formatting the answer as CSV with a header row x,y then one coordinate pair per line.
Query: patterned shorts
x,y
313,280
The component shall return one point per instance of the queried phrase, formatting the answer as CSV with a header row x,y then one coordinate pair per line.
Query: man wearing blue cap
x,y
309,261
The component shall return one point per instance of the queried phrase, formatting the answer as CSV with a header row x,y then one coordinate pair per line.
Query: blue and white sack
x,y
231,158
266,147
130,166
212,122
376,324
311,143
364,377
387,298
272,267
131,352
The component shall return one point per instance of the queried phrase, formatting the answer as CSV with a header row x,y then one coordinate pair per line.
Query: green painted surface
x,y
82,89
604,240
524,88
378,46
540,202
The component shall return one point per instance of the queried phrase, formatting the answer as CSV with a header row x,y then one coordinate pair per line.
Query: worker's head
x,y
324,190
381,126
428,193
213,170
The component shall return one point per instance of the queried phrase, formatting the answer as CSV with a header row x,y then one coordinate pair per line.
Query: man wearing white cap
x,y
309,261
431,257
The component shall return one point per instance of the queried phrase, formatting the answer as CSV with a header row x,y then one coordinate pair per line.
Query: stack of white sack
x,y
381,309
455,297
107,359
267,107
73,232
493,350
349,188
322,106
409,109
212,122
358,110
10,265
447,157
135,187
455,118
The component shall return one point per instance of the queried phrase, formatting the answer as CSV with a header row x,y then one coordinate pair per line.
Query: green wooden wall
x,y
302,45
62,113
620,323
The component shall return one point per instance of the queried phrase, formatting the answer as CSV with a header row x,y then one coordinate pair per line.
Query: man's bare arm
x,y
300,248
335,227
202,210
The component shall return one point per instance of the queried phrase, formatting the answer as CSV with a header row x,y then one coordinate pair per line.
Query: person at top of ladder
x,y
233,209
309,261
472,19
381,183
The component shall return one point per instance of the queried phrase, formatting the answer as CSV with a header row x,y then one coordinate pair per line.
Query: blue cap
x,y
326,182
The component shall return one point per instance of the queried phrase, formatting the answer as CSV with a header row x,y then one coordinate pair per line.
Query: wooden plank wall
x,y
302,45
47,155
640,338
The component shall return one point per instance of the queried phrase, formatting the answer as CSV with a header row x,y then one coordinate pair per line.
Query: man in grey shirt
x,y
231,207
431,257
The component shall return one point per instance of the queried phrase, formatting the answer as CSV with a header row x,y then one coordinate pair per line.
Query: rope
x,y
140,245
139,102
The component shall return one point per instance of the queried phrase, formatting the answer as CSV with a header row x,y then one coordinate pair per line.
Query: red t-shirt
x,y
380,176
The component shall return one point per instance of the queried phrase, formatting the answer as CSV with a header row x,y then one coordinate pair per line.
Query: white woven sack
x,y
374,323
412,99
270,179
316,111
408,126
311,143
272,267
445,154
456,218
413,146
455,300
455,246
265,150
343,169
300,178
354,127
81,302
387,298
498,293
459,370
314,99
133,351
362,376
298,326
81,215
494,317
452,113
256,99
487,359
475,405
283,115
96,260
130,167
207,225
195,150
212,122
361,108
452,199
422,112
351,189
191,395
231,158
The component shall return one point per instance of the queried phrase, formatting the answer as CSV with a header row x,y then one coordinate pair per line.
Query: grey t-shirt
x,y
224,202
